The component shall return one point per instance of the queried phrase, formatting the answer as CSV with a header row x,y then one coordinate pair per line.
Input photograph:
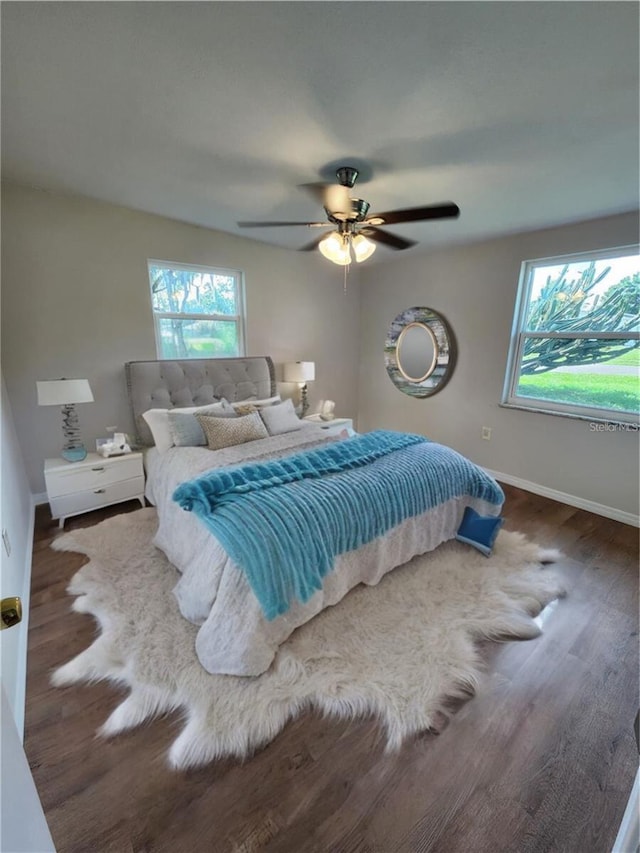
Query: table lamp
x,y
66,393
301,372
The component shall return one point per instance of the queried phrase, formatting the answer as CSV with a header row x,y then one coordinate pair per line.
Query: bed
x,y
236,636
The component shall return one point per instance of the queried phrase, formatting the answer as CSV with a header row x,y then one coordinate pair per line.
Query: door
x,y
22,823
23,828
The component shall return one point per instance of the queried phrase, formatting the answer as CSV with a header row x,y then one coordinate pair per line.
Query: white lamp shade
x,y
362,248
300,371
335,248
59,392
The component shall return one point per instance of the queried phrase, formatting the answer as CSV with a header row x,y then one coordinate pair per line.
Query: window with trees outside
x,y
575,343
198,311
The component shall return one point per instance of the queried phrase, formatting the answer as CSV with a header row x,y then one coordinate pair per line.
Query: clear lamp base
x,y
75,454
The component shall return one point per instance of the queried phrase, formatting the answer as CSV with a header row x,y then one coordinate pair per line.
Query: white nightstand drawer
x,y
83,501
98,473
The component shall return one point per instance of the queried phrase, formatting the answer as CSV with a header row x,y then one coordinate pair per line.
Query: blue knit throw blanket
x,y
283,522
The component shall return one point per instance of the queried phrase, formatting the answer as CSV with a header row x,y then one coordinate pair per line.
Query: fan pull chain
x,y
347,270
347,266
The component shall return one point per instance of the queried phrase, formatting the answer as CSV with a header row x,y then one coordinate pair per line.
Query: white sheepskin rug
x,y
395,651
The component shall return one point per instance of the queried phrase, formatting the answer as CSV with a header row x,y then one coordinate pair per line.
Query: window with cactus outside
x,y
576,343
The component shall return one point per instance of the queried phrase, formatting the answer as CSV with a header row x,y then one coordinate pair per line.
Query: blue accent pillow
x,y
479,531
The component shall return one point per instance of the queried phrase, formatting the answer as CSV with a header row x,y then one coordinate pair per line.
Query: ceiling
x,y
524,114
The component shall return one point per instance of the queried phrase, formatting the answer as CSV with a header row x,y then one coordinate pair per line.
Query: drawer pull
x,y
99,491
98,469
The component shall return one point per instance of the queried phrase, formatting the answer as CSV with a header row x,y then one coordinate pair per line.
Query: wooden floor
x,y
542,759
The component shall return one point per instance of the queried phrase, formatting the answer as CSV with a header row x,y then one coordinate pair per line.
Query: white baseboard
x,y
40,498
571,500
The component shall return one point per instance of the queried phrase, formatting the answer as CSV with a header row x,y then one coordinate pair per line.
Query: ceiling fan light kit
x,y
342,248
335,249
357,233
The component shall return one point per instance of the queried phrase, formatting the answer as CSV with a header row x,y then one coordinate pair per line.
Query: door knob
x,y
10,612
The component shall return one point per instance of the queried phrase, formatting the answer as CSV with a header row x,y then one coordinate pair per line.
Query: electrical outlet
x,y
7,542
486,433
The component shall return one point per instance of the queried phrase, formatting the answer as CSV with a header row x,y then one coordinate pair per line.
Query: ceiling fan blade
x,y
281,224
391,240
316,190
445,210
337,199
334,197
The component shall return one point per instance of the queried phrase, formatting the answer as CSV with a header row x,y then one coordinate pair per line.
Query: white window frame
x,y
238,319
510,397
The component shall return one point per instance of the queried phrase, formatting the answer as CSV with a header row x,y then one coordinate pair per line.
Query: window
x,y
197,311
575,343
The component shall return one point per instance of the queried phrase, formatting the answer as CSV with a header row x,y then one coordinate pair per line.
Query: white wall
x,y
475,288
15,569
76,304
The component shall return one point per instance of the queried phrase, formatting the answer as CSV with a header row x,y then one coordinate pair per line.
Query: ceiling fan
x,y
355,232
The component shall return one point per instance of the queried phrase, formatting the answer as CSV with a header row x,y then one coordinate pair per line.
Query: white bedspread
x,y
234,637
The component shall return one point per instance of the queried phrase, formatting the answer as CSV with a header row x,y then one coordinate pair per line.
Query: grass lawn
x,y
213,347
200,347
585,389
628,359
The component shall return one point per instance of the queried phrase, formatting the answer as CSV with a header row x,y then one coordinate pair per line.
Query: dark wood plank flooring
x,y
541,759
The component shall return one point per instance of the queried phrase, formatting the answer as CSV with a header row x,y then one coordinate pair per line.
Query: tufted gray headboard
x,y
194,382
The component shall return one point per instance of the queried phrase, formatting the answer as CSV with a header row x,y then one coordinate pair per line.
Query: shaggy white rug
x,y
395,651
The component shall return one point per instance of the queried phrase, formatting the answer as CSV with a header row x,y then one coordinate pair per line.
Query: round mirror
x,y
416,352
419,352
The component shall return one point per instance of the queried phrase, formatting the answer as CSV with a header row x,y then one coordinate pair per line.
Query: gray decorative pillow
x,y
185,429
280,418
227,432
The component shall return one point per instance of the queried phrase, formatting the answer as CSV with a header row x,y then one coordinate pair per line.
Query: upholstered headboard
x,y
194,382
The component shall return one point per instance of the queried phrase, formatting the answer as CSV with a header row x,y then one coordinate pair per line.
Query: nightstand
x,y
332,427
77,487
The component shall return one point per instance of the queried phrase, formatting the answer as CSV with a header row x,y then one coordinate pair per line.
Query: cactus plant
x,y
569,305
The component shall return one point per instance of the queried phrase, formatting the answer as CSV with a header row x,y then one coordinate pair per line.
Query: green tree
x,y
569,305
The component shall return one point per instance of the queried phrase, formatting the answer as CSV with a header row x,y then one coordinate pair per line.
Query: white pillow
x,y
158,422
267,401
280,418
251,404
